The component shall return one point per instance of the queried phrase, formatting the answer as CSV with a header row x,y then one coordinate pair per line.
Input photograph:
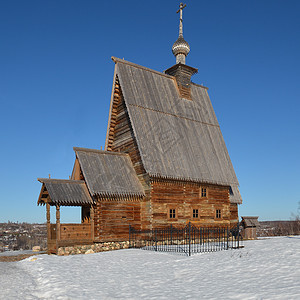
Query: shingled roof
x,y
177,138
109,173
64,192
250,221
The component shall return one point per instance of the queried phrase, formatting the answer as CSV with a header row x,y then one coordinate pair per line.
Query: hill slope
x,y
264,269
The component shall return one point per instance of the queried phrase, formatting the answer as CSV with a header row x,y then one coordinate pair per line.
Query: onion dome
x,y
181,46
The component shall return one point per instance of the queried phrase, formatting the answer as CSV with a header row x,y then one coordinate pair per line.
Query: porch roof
x,y
64,192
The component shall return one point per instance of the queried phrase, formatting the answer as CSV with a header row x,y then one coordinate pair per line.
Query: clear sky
x,y
56,78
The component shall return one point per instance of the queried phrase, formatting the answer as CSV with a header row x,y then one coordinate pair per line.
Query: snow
x,y
264,269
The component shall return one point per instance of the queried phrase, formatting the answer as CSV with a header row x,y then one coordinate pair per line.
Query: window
x,y
172,214
218,213
203,192
195,213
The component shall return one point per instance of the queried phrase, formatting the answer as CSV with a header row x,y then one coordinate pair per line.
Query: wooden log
x,y
48,227
92,214
57,222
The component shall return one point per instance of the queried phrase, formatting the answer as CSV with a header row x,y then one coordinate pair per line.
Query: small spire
x,y
181,47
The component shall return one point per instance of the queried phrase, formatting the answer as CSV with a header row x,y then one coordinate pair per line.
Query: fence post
x,y
155,239
238,231
171,228
219,246
227,238
129,236
189,238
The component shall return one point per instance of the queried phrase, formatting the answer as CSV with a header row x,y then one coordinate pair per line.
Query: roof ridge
x,y
59,180
116,60
99,151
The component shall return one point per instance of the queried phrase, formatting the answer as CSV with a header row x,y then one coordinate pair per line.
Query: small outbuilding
x,y
249,225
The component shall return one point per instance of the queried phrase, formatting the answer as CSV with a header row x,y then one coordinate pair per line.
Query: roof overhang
x,y
64,193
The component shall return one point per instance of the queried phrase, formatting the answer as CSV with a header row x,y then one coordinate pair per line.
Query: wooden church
x,y
165,160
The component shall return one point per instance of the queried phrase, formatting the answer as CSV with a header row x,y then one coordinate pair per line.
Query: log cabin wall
x,y
113,217
186,199
121,139
77,172
234,216
120,134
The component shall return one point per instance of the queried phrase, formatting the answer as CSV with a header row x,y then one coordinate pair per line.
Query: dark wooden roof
x,y
64,192
250,221
109,173
177,138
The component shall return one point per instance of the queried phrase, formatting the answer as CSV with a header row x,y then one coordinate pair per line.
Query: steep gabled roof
x,y
250,221
109,173
64,192
177,138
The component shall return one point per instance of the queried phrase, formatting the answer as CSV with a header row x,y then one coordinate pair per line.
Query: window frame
x,y
173,207
218,214
203,194
193,208
172,213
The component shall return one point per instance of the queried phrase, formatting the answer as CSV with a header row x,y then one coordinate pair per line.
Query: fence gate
x,y
186,240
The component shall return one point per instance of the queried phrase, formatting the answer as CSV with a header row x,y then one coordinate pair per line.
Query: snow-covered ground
x,y
264,269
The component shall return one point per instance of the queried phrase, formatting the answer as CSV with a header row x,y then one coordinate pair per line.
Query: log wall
x,y
121,139
120,134
234,215
184,197
112,219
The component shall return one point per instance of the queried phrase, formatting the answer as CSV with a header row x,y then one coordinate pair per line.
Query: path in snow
x,y
15,282
264,269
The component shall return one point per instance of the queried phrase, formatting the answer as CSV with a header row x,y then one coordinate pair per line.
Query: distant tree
x,y
296,220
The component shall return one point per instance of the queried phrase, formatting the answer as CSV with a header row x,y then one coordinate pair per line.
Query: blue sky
x,y
56,76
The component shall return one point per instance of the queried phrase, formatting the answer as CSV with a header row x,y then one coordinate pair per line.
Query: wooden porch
x,y
60,192
62,235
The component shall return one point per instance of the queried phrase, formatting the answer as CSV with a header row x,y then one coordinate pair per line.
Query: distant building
x,y
165,160
249,226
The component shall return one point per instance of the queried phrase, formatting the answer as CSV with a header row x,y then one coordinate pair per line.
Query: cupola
x,y
180,70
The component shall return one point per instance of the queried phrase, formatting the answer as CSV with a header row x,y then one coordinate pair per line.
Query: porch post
x,y
48,225
57,222
92,222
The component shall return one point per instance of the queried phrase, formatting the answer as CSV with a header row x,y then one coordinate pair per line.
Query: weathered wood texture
x,y
121,136
64,192
185,197
51,240
185,92
69,235
177,139
121,139
77,172
234,213
75,231
112,219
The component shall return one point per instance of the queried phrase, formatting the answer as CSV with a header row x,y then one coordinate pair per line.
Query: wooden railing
x,y
75,231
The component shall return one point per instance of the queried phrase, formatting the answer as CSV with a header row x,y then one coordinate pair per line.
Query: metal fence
x,y
186,240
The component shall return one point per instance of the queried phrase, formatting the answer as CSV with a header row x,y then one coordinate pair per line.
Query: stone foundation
x,y
87,249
